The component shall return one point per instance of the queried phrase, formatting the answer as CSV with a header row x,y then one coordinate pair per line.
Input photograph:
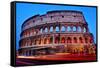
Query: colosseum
x,y
58,31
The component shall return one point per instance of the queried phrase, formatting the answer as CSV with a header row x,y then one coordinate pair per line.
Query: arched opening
x,y
40,41
32,31
63,29
41,30
81,40
63,40
57,40
23,35
68,28
74,29
57,29
26,34
35,42
48,40
35,32
84,29
45,41
51,40
27,53
51,29
79,29
30,41
46,29
30,53
29,33
69,40
86,40
91,40
75,40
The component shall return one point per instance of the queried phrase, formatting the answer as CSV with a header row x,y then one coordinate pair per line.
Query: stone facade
x,y
62,31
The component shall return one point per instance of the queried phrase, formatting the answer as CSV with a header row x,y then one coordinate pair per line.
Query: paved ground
x,y
53,59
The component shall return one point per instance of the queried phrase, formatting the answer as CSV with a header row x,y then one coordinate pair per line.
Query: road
x,y
54,59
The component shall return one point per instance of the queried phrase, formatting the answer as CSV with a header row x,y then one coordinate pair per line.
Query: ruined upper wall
x,y
67,16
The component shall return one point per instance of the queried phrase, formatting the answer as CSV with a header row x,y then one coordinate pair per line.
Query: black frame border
x,y
13,30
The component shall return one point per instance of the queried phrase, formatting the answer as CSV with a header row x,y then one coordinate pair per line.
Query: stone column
x,y
78,40
72,39
76,28
82,29
59,34
48,29
42,40
71,29
60,28
53,39
31,52
87,30
65,28
53,29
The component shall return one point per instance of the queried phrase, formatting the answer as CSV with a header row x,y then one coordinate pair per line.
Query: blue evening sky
x,y
26,10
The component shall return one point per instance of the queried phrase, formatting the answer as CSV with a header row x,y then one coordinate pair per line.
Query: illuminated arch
x,y
69,40
57,29
79,29
74,29
63,40
75,40
46,29
51,29
57,39
80,40
63,29
68,28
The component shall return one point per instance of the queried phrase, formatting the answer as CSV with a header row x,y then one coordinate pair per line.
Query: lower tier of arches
x,y
77,49
57,39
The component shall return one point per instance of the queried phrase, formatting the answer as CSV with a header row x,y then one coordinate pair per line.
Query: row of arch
x,y
55,40
90,49
63,29
40,20
56,29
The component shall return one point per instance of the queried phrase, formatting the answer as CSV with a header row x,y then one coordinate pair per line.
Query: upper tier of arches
x,y
54,17
54,29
